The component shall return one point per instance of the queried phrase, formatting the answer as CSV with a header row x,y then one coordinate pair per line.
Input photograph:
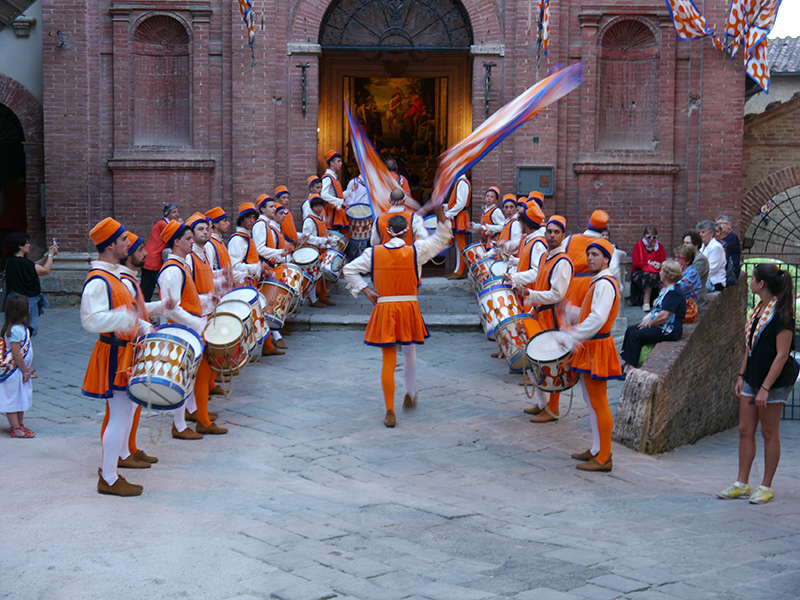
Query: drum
x,y
292,275
361,220
226,344
249,294
308,285
550,370
495,304
244,312
485,272
279,298
512,335
332,264
165,366
341,240
430,224
307,258
473,253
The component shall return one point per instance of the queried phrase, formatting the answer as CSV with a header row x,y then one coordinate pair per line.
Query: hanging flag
x,y
749,24
246,8
377,178
544,23
466,154
689,22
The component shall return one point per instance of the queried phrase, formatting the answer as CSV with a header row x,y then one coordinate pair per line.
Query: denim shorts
x,y
776,395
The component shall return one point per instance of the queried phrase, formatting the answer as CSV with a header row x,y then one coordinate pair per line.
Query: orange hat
x,y
279,207
538,196
330,155
496,191
312,198
134,240
172,232
558,220
604,246
246,208
106,233
261,199
510,198
216,214
533,216
312,180
196,218
280,190
598,221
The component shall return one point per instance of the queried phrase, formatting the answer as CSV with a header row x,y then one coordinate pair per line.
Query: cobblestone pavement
x,y
309,496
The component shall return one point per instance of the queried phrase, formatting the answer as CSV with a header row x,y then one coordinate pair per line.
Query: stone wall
x,y
684,390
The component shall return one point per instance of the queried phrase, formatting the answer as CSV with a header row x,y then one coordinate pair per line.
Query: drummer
x,y
595,354
314,188
287,224
458,210
333,194
216,251
532,247
396,319
547,295
109,309
511,234
316,231
203,278
492,218
576,245
417,231
266,234
244,257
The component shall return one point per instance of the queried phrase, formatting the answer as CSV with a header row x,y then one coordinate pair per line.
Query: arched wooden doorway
x,y
13,214
405,69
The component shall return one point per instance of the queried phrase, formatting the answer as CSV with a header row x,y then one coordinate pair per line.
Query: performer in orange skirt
x,y
458,209
595,354
396,318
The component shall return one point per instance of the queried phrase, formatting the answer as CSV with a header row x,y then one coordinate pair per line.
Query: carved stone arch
x,y
619,19
136,23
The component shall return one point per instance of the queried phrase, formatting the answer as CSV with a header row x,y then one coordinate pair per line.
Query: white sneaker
x,y
645,308
761,495
734,491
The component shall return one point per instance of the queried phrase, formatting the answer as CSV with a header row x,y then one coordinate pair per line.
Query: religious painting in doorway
x,y
405,119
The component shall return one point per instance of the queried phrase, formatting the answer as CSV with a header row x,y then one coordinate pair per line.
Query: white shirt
x,y
310,229
237,250
537,250
417,226
211,254
514,237
498,220
97,316
357,195
462,197
259,234
560,278
305,209
170,283
602,301
715,253
426,250
153,309
328,192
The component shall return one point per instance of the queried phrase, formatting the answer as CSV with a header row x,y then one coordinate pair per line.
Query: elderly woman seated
x,y
665,321
648,254
690,283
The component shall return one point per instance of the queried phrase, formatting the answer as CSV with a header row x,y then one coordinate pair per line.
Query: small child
x,y
16,390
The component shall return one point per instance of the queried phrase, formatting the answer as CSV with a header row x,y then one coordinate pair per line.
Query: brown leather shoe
x,y
286,331
190,416
132,463
534,410
120,487
457,276
271,351
216,391
593,465
409,402
318,304
389,420
186,434
329,302
140,455
213,429
280,344
584,456
496,354
544,417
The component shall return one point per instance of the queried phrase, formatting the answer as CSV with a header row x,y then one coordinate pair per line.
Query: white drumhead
x,y
246,293
543,347
430,222
359,211
305,256
186,334
262,301
223,329
498,268
238,308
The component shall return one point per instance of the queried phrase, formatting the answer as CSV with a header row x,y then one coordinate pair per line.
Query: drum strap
x,y
383,299
601,336
112,341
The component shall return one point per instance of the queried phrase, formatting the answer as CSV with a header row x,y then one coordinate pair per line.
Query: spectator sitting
x,y
648,254
22,275
729,241
692,238
664,323
715,254
690,283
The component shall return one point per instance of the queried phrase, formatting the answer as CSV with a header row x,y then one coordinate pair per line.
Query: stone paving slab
x,y
309,496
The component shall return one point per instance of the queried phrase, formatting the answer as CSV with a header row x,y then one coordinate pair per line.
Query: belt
x,y
383,299
601,336
590,274
112,341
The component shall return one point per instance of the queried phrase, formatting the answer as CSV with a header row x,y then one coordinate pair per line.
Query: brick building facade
x,y
654,134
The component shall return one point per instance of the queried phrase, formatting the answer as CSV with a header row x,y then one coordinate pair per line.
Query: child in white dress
x,y
16,391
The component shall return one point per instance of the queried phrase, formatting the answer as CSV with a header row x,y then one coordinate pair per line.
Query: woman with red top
x,y
648,254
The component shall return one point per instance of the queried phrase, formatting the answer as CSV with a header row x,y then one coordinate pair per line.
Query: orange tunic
x,y
598,355
547,315
322,228
252,254
383,226
336,216
461,222
202,275
581,276
112,356
275,238
223,258
394,273
486,219
289,229
525,251
505,235
190,300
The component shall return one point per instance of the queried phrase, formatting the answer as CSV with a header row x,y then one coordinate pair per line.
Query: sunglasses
x,y
651,237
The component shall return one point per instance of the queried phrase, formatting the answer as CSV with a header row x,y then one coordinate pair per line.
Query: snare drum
x,y
495,304
249,294
165,366
244,312
512,336
226,344
488,271
308,285
550,370
307,258
279,298
341,240
361,221
292,275
332,264
473,253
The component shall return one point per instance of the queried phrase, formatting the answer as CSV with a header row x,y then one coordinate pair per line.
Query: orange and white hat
x,y
216,214
172,232
330,155
106,233
604,246
280,191
196,218
134,240
598,221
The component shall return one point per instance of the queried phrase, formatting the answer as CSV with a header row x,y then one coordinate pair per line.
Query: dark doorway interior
x,y
12,176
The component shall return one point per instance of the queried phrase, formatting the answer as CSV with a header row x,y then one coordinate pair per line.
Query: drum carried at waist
x,y
549,364
279,299
165,366
226,344
332,264
361,221
473,253
512,335
488,271
292,275
341,240
244,312
307,258
249,294
495,304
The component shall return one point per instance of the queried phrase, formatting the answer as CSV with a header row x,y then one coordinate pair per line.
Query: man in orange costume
x,y
396,318
417,231
333,194
316,231
492,218
458,212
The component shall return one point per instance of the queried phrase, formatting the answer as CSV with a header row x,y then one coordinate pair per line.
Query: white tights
x,y
179,414
115,437
410,368
593,417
